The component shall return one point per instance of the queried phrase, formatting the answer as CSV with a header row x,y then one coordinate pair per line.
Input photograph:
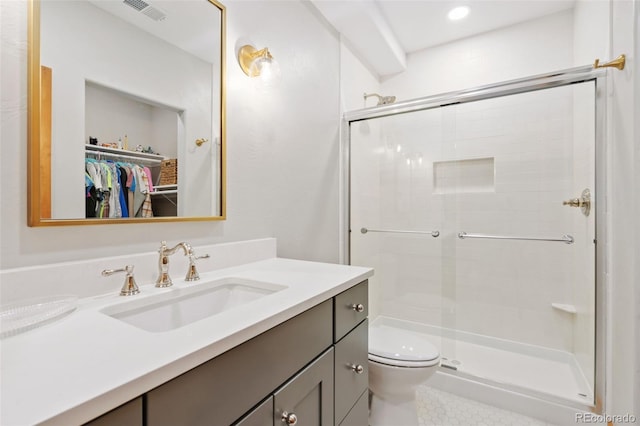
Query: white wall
x,y
355,80
596,37
623,273
521,50
283,145
283,162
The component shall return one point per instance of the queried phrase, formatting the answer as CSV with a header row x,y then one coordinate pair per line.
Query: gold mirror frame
x,y
39,148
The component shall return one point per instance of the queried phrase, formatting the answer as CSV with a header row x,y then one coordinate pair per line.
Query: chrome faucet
x,y
164,280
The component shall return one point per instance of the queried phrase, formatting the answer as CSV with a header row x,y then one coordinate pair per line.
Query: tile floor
x,y
438,408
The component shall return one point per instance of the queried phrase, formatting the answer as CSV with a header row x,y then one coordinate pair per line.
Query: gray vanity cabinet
x,y
312,368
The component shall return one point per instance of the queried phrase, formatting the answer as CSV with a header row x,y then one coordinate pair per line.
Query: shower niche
x,y
469,175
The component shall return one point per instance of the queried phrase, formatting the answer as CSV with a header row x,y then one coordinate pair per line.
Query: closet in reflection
x,y
127,186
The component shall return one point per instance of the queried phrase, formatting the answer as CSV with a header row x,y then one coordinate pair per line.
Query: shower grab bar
x,y
567,239
434,234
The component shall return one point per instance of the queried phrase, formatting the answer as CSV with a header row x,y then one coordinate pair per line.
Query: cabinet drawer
x,y
219,391
359,414
346,312
351,352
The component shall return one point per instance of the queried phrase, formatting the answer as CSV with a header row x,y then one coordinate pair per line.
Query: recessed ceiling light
x,y
458,13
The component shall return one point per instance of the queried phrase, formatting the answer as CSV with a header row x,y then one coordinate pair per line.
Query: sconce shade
x,y
252,60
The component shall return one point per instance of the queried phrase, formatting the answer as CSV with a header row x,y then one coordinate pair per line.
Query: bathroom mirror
x,y
126,111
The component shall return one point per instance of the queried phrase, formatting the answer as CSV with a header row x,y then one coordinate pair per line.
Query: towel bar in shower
x,y
434,234
567,239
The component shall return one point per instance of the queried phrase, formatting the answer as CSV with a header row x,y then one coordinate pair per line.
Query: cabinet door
x,y
352,369
308,396
262,415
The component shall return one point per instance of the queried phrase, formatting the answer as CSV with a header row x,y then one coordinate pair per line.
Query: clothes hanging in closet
x,y
117,189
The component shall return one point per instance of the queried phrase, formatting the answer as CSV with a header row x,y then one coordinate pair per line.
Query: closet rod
x,y
110,155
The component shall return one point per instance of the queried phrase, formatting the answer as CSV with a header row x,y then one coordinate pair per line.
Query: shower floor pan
x,y
532,369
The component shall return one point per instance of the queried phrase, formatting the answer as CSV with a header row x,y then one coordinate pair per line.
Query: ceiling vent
x,y
146,9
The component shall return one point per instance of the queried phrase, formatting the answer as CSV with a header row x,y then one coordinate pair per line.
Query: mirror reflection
x,y
131,101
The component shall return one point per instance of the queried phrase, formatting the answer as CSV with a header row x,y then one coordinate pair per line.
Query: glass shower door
x,y
524,281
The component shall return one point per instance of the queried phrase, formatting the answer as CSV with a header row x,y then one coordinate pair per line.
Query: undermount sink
x,y
183,306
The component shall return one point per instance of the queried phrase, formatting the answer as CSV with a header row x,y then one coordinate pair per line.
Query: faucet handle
x,y
129,287
192,272
164,280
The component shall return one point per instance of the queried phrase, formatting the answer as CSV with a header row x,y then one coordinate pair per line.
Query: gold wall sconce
x,y
252,60
259,63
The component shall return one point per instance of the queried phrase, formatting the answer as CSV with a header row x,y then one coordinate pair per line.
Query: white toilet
x,y
399,361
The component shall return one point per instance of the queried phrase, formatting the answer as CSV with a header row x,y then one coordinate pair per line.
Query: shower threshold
x,y
519,367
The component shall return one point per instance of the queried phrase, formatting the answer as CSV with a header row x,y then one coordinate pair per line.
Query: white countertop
x,y
81,366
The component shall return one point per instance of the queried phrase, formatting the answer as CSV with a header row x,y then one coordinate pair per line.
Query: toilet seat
x,y
401,348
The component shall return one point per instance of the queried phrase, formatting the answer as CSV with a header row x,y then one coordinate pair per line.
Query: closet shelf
x,y
167,192
115,152
165,187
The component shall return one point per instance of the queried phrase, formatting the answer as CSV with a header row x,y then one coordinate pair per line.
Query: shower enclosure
x,y
479,211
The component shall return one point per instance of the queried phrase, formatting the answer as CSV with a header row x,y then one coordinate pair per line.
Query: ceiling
x,y
383,32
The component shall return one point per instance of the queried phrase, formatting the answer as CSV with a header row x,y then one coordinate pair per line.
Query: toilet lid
x,y
401,345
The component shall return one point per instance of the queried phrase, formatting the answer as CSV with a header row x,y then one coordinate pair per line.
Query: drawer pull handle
x,y
358,369
289,418
358,307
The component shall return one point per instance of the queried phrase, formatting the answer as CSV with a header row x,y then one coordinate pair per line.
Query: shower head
x,y
382,100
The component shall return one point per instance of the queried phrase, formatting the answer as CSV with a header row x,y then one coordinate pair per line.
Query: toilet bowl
x,y
399,361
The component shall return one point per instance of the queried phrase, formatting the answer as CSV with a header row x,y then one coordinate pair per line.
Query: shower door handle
x,y
573,202
584,202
